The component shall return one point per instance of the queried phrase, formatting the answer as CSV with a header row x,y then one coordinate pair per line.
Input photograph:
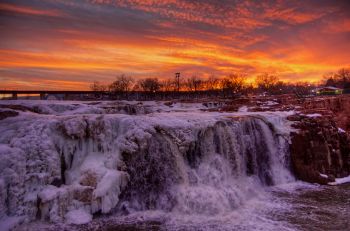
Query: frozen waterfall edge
x,y
120,164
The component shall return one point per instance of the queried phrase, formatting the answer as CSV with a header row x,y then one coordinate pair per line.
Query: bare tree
x,y
123,83
343,77
150,84
331,82
343,74
266,82
234,83
97,86
328,79
212,83
238,81
339,79
194,83
136,86
168,85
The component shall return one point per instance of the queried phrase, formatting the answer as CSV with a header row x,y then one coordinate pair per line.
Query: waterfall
x,y
224,165
119,164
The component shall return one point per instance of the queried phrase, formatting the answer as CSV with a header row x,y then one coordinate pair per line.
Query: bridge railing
x,y
132,95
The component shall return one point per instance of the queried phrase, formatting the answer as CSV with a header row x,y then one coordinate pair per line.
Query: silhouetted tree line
x,y
232,85
340,79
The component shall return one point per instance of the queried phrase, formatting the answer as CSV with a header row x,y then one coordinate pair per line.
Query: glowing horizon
x,y
59,44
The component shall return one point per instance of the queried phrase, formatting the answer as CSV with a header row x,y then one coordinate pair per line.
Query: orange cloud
x,y
157,38
28,10
38,83
340,26
192,11
293,16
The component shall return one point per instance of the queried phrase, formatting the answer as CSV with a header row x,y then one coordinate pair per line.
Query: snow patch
x,y
340,181
243,109
270,103
314,115
341,130
78,217
324,175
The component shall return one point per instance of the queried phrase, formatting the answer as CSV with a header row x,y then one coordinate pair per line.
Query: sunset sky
x,y
58,44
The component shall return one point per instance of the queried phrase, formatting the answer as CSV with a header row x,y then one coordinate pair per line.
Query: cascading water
x,y
178,163
223,166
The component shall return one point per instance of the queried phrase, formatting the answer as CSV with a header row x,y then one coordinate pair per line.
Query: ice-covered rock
x,y
78,217
70,162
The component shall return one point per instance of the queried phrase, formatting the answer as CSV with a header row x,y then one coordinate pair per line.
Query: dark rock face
x,y
319,148
337,106
5,114
152,173
23,108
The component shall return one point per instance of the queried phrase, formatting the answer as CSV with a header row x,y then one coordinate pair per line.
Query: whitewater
x,y
145,165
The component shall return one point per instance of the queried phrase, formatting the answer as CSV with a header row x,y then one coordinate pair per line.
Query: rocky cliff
x,y
337,106
320,151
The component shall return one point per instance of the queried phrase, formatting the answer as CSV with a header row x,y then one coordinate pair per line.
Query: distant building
x,y
329,91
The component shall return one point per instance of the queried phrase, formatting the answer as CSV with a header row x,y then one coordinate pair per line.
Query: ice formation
x,y
64,162
340,181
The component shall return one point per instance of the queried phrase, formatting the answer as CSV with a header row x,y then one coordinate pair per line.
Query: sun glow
x,y
47,42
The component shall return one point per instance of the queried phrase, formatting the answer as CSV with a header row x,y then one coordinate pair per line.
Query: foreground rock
x,y
338,106
320,151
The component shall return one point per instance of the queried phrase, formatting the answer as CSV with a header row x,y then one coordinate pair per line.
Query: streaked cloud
x,y
44,43
27,10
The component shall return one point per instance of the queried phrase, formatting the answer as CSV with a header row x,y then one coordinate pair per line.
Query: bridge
x,y
44,94
107,95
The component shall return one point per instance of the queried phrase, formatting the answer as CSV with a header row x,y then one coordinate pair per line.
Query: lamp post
x,y
177,79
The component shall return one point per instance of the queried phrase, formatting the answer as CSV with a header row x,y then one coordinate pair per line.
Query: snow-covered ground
x,y
64,161
107,107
